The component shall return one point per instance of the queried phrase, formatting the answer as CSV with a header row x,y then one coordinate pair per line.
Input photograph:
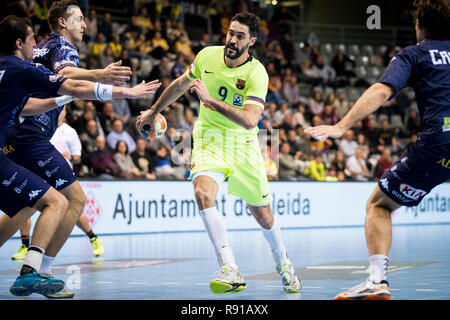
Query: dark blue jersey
x,y
425,67
55,53
19,80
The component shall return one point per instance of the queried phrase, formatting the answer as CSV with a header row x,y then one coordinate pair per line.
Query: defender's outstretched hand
x,y
323,132
116,74
142,89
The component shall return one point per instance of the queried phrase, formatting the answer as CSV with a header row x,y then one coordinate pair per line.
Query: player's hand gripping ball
x,y
159,129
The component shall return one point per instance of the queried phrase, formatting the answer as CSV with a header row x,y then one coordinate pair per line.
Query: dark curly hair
x,y
11,29
57,10
250,20
434,18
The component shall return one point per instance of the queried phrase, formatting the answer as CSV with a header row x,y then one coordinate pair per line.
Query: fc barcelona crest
x,y
240,84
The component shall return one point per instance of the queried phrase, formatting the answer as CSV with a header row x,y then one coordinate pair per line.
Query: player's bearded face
x,y
232,51
238,40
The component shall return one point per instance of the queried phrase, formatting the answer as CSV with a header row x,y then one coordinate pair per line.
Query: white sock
x,y
273,237
378,268
217,232
46,264
34,258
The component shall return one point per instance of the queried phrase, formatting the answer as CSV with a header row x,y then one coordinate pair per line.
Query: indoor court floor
x,y
179,266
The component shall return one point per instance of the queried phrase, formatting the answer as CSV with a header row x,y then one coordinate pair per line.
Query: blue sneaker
x,y
34,283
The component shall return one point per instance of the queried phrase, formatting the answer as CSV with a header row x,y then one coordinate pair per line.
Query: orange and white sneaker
x,y
367,290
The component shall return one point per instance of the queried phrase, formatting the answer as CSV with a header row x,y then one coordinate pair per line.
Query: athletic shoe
x,y
35,283
97,246
63,294
228,279
21,254
291,282
367,290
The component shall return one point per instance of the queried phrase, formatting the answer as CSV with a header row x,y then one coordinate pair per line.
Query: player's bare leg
x,y
97,245
228,279
272,233
53,206
25,237
378,228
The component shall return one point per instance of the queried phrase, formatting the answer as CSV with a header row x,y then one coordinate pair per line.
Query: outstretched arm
x,y
368,103
36,106
112,74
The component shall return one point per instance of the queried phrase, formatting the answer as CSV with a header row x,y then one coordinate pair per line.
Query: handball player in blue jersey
x,y
30,140
425,67
21,191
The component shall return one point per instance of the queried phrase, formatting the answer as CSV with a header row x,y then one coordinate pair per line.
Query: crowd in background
x,y
309,84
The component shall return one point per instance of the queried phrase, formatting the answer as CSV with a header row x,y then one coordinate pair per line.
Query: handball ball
x,y
158,131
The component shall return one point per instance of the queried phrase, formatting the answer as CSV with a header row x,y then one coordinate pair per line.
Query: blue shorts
x,y
19,188
45,161
418,170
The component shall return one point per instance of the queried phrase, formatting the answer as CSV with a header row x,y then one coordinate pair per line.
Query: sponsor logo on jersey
x,y
385,183
54,78
444,162
38,52
410,192
8,182
60,182
44,163
49,173
237,100
34,193
240,84
8,149
19,189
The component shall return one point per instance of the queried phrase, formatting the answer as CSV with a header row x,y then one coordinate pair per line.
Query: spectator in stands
x,y
356,164
105,26
288,47
324,72
288,169
338,163
97,49
106,118
116,46
143,20
163,167
340,64
270,111
88,136
293,141
304,144
203,43
281,113
270,165
348,144
66,141
183,47
316,168
121,110
159,46
118,134
386,134
179,67
161,70
188,119
291,90
299,116
361,140
310,73
373,134
316,103
169,33
142,159
101,160
396,147
341,105
106,58
274,90
91,26
327,115
143,45
125,162
383,164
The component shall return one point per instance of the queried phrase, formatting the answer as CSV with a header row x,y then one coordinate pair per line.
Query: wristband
x,y
60,101
103,91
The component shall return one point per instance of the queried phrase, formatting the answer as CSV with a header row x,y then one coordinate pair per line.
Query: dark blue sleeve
x,y
41,81
63,56
398,72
